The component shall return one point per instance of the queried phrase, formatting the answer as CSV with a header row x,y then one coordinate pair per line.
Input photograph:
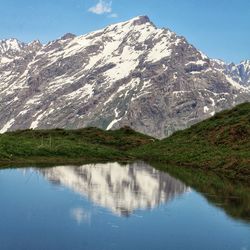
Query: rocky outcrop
x,y
237,72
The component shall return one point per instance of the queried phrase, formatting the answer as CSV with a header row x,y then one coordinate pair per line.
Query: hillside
x,y
68,146
220,144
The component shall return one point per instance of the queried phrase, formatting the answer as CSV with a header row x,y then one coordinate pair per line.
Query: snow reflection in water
x,y
120,188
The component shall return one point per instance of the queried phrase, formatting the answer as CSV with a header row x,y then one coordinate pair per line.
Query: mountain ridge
x,y
127,74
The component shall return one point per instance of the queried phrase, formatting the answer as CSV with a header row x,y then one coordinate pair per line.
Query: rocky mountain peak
x,y
34,45
68,36
245,64
35,42
137,24
10,44
127,74
239,73
140,20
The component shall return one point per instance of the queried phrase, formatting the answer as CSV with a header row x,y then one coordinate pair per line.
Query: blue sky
x,y
220,28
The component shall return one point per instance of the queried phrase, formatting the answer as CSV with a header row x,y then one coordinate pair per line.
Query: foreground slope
x,y
127,74
72,146
220,144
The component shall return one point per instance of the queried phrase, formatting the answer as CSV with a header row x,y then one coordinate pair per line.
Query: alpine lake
x,y
113,206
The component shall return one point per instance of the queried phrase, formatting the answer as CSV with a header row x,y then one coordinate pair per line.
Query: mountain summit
x,y
127,74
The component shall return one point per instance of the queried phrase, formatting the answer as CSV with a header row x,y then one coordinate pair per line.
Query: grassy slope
x,y
220,144
69,146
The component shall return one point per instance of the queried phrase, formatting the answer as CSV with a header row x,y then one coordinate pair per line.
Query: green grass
x,y
69,146
207,156
220,144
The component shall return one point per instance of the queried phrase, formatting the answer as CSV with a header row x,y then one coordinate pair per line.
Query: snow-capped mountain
x,y
12,49
121,189
130,73
10,45
237,72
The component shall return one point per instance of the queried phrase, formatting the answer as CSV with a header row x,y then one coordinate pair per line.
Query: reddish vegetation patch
x,y
229,135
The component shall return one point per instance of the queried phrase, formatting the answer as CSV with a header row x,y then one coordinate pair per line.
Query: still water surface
x,y
110,206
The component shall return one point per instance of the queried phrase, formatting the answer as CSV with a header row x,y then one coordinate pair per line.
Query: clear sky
x,y
220,28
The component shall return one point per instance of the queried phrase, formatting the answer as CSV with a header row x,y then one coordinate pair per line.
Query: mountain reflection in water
x,y
119,188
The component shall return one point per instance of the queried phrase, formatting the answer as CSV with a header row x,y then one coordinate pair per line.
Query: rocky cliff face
x,y
238,72
130,73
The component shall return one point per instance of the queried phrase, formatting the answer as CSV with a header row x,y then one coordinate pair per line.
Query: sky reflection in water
x,y
110,206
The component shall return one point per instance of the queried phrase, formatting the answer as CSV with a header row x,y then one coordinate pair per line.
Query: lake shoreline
x,y
220,144
231,195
